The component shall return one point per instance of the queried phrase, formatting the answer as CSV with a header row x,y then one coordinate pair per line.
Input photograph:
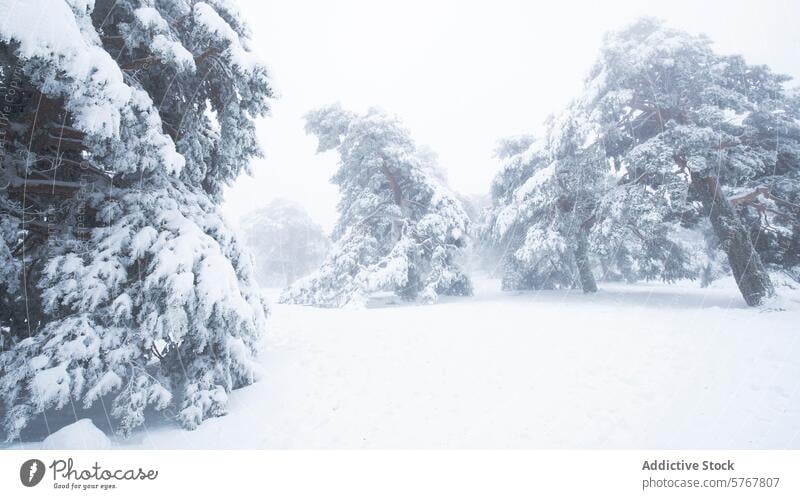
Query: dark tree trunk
x,y
399,200
748,270
588,283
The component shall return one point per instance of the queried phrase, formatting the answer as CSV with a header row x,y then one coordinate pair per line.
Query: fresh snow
x,y
206,16
634,366
99,100
82,434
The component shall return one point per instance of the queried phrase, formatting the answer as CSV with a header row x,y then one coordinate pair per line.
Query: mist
x,y
459,74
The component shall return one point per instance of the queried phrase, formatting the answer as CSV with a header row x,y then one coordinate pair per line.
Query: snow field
x,y
636,366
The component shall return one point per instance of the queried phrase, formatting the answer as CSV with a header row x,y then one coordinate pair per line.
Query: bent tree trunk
x,y
588,283
748,270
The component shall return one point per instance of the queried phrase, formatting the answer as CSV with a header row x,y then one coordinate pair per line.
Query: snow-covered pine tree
x,y
285,242
505,221
399,228
694,126
769,201
554,218
686,134
121,284
520,222
544,198
481,257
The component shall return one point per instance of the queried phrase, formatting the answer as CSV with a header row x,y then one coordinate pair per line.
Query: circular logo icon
x,y
31,472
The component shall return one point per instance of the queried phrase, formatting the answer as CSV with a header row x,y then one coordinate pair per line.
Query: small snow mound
x,y
82,434
775,303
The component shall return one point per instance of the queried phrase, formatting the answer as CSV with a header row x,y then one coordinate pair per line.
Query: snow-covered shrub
x,y
80,435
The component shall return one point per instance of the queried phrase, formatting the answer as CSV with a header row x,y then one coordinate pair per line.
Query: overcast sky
x,y
460,74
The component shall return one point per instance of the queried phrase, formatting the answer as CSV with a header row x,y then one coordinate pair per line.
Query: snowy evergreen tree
x,y
481,257
399,228
120,281
285,242
769,201
522,224
694,127
545,198
667,133
553,219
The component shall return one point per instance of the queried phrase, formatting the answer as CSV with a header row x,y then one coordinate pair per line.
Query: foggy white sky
x,y
460,74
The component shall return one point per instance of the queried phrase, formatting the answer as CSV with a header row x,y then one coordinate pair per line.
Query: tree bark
x,y
748,270
588,284
399,200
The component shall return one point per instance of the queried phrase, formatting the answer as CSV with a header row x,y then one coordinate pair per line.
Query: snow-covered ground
x,y
635,366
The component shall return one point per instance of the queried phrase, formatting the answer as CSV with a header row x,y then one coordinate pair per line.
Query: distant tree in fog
x,y
285,242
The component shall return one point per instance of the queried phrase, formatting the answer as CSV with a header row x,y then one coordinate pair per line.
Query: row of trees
x,y
120,284
675,162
